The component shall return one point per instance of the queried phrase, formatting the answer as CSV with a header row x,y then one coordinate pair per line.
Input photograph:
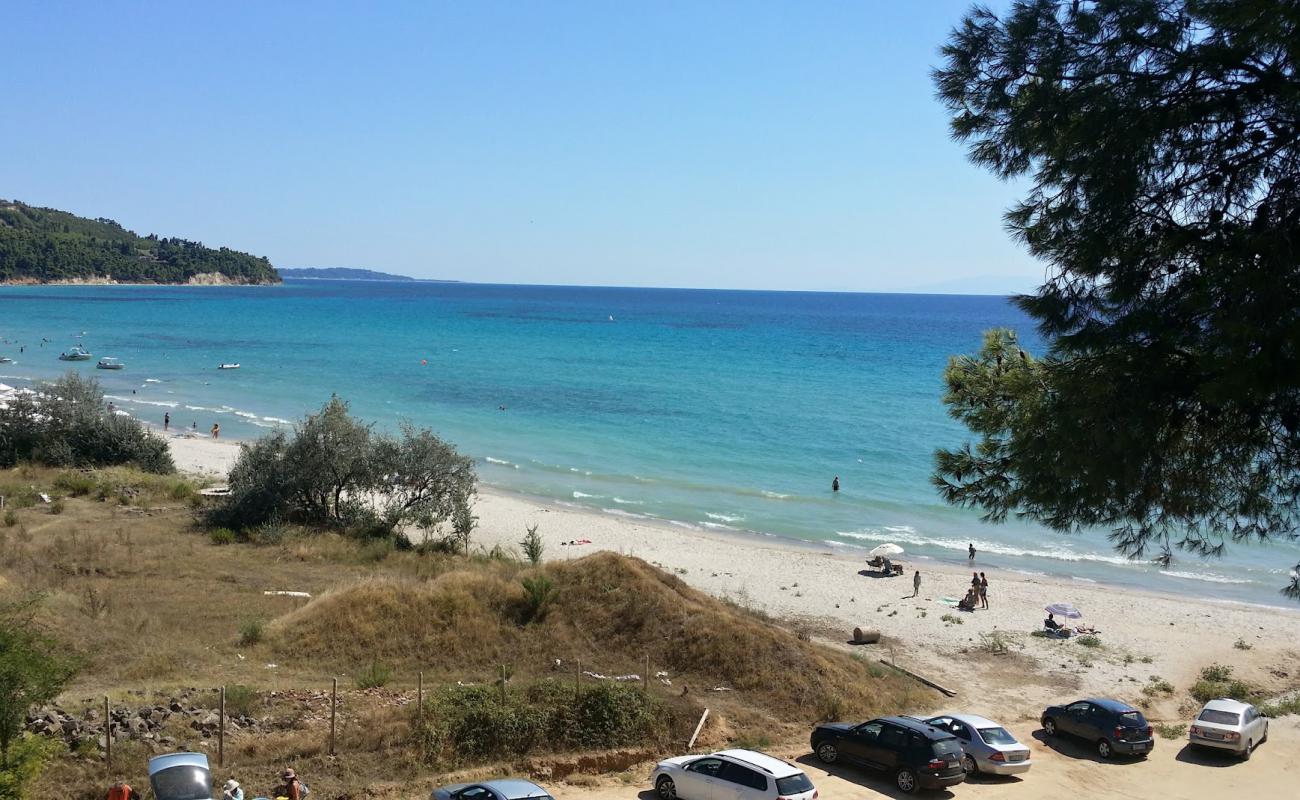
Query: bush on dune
x,y
67,424
336,472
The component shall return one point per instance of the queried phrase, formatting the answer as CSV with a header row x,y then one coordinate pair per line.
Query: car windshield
x,y
793,784
997,736
182,783
1220,717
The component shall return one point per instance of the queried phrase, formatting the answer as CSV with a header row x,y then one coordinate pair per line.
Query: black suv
x,y
918,755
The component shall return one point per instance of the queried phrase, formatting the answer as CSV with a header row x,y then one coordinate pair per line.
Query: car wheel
x,y
906,780
968,764
665,788
1250,747
1264,738
827,753
1104,749
1049,726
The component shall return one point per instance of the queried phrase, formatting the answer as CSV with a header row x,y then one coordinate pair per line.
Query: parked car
x,y
730,775
500,789
918,755
986,746
1229,725
1113,727
180,776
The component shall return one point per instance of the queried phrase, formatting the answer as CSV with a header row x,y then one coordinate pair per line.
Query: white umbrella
x,y
1066,610
888,549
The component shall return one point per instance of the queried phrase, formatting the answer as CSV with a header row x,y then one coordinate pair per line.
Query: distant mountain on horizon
x,y
349,274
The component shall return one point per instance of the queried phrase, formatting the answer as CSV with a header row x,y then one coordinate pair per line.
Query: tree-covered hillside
x,y
42,245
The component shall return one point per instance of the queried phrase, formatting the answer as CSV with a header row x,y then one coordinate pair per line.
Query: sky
x,y
723,145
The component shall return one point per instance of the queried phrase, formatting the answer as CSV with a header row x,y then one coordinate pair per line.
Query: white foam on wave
x,y
724,517
843,545
501,462
687,525
1081,580
277,421
1203,576
775,495
152,380
718,526
246,414
623,502
618,512
120,399
579,495
903,534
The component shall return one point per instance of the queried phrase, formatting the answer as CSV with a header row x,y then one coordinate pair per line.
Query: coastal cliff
x,y
48,246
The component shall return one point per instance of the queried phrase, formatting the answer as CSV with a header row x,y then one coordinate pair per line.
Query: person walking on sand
x,y
916,583
835,484
984,591
167,420
216,431
971,554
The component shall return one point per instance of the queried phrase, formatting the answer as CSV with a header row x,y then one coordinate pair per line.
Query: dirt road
x,y
1066,769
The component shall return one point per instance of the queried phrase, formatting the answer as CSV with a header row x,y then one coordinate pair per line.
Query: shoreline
x,y
1143,633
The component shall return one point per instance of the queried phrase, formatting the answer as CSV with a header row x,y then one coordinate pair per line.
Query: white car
x,y
730,775
986,746
1229,725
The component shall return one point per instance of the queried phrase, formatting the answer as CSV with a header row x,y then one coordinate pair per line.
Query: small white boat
x,y
110,363
6,360
77,353
227,366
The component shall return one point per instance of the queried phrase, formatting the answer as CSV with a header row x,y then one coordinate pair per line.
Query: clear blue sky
x,y
749,145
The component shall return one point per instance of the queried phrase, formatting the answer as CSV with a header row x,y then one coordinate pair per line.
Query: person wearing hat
x,y
291,788
232,791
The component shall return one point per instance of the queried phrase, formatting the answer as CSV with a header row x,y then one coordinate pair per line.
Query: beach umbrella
x,y
1066,610
889,549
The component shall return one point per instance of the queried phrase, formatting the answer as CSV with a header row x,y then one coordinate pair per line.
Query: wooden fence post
x,y
577,681
334,709
419,693
645,681
221,732
503,684
108,737
698,728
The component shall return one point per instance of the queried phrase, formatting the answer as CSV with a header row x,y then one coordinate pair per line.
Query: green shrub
x,y
1216,672
1282,708
1089,641
221,536
1158,686
250,632
57,506
75,484
11,519
373,676
268,533
539,590
27,758
375,550
1167,731
532,545
951,619
241,700
1241,644
478,723
1217,681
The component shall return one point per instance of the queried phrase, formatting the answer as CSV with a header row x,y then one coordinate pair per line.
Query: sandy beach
x,y
1143,635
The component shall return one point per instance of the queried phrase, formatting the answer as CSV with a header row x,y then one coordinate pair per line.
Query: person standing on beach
x,y
835,484
916,583
971,555
167,420
216,431
984,591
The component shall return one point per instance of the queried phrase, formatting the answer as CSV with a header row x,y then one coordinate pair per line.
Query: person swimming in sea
x,y
835,484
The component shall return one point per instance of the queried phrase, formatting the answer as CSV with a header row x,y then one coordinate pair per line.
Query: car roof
x,y
1110,705
1225,704
169,760
515,788
773,766
920,726
973,720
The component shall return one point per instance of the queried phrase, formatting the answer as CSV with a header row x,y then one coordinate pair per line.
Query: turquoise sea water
x,y
720,410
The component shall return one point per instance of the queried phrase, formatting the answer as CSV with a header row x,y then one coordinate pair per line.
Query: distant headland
x,y
348,274
48,246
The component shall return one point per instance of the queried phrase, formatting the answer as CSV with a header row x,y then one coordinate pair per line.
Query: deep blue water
x,y
727,410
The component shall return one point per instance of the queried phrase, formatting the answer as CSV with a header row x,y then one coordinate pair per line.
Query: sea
x,y
727,411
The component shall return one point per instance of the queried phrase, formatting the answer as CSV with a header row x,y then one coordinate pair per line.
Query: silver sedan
x,y
501,789
1229,725
986,746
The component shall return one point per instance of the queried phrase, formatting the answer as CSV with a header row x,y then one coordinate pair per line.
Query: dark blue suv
x,y
1114,727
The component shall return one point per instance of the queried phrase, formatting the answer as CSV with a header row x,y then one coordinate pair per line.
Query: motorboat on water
x,y
110,363
6,360
228,366
77,353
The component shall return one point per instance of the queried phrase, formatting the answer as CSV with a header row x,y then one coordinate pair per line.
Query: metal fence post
x,y
221,732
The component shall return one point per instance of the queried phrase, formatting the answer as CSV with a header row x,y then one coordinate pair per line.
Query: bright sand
x,y
827,591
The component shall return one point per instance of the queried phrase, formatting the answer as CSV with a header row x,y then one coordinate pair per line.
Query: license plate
x,y
1016,757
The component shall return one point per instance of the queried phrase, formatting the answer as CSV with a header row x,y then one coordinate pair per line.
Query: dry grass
x,y
152,604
